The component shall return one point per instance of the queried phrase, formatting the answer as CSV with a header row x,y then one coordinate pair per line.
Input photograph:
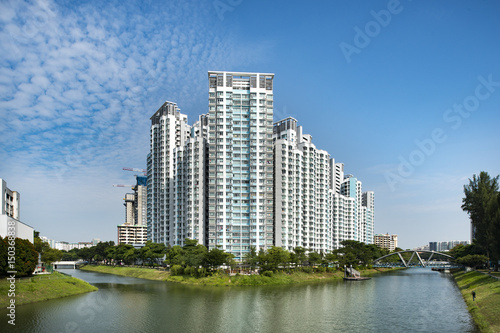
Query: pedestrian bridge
x,y
66,264
419,258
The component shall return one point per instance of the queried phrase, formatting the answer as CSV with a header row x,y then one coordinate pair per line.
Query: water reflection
x,y
415,300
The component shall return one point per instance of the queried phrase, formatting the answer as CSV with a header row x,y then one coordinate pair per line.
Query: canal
x,y
413,300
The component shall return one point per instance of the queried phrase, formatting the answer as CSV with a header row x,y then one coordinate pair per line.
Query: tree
x,y
331,258
314,258
461,250
348,259
3,256
482,203
100,250
40,246
26,257
473,260
262,259
251,258
110,253
69,255
175,256
194,253
299,255
215,258
276,257
122,253
51,255
87,254
155,252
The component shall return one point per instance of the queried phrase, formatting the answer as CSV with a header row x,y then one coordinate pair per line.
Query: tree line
x,y
482,203
195,259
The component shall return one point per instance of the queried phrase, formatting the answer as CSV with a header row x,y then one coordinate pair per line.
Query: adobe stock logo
x,y
372,29
454,117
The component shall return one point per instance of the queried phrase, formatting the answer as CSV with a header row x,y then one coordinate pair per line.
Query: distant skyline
x,y
406,94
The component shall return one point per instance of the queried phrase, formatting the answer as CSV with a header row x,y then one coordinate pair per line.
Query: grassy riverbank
x,y
486,307
226,280
43,287
141,273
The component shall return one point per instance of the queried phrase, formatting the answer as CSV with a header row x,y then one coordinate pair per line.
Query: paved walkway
x,y
488,273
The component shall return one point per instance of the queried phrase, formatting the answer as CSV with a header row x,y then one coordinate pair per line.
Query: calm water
x,y
414,300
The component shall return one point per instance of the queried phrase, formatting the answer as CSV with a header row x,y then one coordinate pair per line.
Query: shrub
x,y
176,270
202,272
190,271
321,269
267,273
307,269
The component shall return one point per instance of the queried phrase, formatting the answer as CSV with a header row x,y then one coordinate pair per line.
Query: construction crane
x,y
136,170
121,185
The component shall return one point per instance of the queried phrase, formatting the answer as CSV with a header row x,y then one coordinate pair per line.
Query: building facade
x,y
446,245
236,180
386,241
134,230
10,214
302,180
240,162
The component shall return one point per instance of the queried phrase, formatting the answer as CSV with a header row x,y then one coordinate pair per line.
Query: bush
x,y
307,269
202,272
321,269
267,273
176,270
190,271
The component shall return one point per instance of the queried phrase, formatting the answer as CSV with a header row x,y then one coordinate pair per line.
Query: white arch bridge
x,y
416,260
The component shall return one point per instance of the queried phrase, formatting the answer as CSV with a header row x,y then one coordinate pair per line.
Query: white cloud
x,y
80,83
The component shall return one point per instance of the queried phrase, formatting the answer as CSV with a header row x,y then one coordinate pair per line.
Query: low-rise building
x,y
386,241
10,223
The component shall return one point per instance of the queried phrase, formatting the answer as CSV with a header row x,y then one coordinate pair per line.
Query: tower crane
x,y
144,171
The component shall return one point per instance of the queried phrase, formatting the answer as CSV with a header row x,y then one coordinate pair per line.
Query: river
x,y
412,300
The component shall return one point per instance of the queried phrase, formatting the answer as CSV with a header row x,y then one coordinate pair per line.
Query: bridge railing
x,y
420,262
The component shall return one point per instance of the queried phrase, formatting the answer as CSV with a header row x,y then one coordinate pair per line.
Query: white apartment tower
x,y
369,204
240,161
234,180
169,130
301,185
288,185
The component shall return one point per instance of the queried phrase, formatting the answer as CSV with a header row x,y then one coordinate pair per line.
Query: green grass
x,y
43,287
141,273
486,308
220,279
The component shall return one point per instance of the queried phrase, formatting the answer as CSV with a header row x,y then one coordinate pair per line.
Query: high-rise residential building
x,y
351,188
447,245
368,205
10,223
301,185
169,130
236,180
134,230
240,161
386,241
343,218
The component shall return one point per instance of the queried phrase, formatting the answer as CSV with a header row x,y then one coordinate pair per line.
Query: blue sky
x,y
405,93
